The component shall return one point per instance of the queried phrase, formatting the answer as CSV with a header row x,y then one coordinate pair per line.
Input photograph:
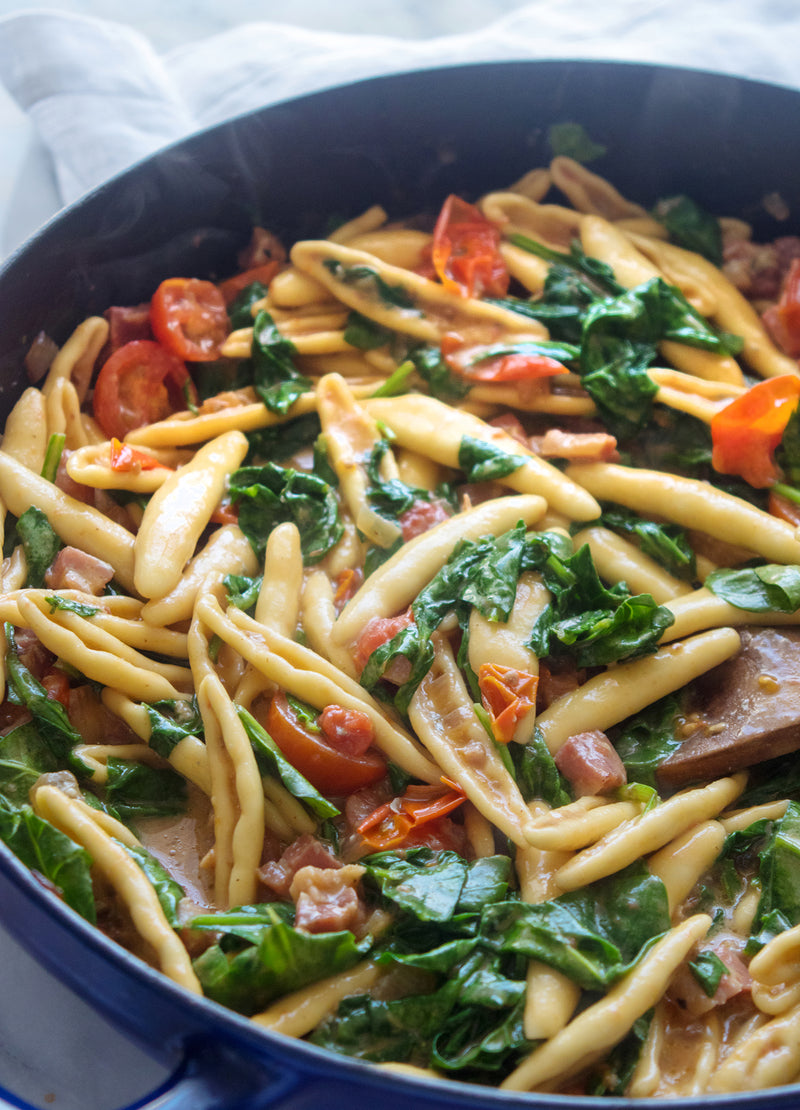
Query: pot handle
x,y
213,1076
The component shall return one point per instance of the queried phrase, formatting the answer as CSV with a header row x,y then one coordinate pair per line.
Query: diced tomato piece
x,y
189,318
232,287
139,384
392,823
225,513
377,632
348,730
746,432
56,685
465,253
125,458
330,770
347,582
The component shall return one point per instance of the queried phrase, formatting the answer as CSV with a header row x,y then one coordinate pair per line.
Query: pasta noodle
x,y
374,694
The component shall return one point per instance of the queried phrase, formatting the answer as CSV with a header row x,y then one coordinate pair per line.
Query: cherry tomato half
x,y
331,771
188,316
138,384
465,252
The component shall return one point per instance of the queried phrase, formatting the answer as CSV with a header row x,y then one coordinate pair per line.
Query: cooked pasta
x,y
400,649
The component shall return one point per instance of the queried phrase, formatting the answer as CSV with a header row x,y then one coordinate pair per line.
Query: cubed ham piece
x,y
73,569
590,763
306,851
326,900
585,446
127,323
749,710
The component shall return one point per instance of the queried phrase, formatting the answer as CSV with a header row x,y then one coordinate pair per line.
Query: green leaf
x,y
136,790
536,773
665,543
647,739
80,608
241,590
40,544
24,757
691,226
365,334
269,495
171,722
779,876
168,892
239,310
708,969
283,960
772,588
52,457
482,461
589,935
441,381
573,141
397,382
51,853
272,761
389,496
371,283
282,441
276,379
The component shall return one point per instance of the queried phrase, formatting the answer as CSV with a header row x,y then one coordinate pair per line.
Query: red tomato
x,y
190,318
331,771
422,515
746,432
232,287
348,730
784,509
507,695
377,632
465,252
787,311
56,685
398,821
138,384
125,458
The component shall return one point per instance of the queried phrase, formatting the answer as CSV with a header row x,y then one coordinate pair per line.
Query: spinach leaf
x,y
435,886
69,606
39,542
666,543
599,275
239,310
365,334
647,739
371,283
281,441
49,715
708,969
168,892
779,876
691,226
397,382
613,1075
772,588
536,772
171,722
24,756
276,379
242,591
573,141
787,453
589,935
282,960
135,790
594,624
481,573
389,496
270,494
247,923
441,381
52,456
51,853
472,1038
271,761
482,461
561,352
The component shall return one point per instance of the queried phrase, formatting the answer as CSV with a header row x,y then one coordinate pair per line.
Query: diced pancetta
x,y
73,569
326,900
306,851
590,763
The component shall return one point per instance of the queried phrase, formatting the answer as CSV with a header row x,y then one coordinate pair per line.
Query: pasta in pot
x,y
399,641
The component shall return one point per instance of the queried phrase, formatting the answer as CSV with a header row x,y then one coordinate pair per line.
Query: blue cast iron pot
x,y
405,142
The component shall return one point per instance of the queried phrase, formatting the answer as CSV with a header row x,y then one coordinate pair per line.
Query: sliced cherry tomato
x,y
507,695
746,432
232,287
189,318
348,730
347,582
138,384
225,513
56,686
465,253
377,632
392,823
125,458
331,771
482,364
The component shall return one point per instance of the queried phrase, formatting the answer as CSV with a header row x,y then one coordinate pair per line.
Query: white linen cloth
x,y
101,97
